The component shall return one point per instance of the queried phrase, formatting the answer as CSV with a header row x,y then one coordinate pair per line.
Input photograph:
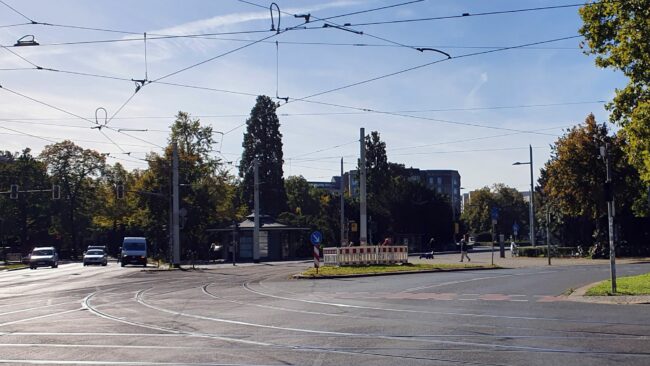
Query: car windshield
x,y
95,252
133,246
43,252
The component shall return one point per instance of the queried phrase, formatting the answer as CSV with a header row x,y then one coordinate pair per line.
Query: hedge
x,y
540,251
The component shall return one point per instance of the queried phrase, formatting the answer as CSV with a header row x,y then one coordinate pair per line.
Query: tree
x,y
508,201
73,168
573,179
24,221
617,32
263,141
206,191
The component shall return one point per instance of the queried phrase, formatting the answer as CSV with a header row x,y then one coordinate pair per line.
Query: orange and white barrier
x,y
361,255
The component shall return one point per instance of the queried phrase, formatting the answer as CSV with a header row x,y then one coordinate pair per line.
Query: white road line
x,y
247,287
133,363
88,306
40,317
358,335
39,307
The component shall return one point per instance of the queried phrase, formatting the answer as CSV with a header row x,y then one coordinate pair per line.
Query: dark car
x,y
43,257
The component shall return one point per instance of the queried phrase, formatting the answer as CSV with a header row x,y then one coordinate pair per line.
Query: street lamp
x,y
532,210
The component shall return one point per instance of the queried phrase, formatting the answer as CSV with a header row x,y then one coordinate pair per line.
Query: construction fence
x,y
370,254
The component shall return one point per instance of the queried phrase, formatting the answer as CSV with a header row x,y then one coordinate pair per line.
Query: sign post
x,y
494,213
316,238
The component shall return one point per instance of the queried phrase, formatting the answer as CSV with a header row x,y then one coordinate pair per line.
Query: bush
x,y
540,251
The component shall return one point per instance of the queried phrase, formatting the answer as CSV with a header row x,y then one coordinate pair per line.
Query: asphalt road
x,y
256,315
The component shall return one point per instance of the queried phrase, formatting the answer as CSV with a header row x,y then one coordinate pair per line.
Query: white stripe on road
x,y
40,317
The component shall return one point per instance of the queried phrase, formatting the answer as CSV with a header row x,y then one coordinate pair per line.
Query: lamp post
x,y
609,197
532,210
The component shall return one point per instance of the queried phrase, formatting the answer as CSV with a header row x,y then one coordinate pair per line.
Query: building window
x,y
439,180
439,188
430,180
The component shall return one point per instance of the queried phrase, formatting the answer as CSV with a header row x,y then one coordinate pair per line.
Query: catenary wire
x,y
304,43
71,113
429,64
335,25
468,124
17,12
469,15
452,109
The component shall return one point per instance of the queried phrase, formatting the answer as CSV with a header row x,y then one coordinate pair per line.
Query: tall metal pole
x,y
342,191
176,257
256,231
532,210
610,220
548,236
363,229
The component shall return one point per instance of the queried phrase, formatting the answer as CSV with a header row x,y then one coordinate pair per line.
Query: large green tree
x,y
73,168
206,191
618,33
572,181
263,141
24,221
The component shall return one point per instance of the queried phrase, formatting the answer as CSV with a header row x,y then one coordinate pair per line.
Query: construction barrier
x,y
370,254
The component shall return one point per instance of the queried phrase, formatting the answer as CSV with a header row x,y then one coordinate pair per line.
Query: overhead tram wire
x,y
469,15
208,36
17,12
319,113
339,26
72,114
426,65
467,124
325,149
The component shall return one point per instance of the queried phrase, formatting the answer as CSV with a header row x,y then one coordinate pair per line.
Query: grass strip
x,y
631,285
13,266
375,269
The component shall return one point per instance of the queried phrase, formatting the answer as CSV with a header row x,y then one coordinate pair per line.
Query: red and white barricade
x,y
367,254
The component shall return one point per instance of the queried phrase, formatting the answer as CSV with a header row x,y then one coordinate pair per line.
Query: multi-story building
x,y
444,182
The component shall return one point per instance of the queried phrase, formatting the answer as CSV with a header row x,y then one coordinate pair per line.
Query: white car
x,y
95,256
43,257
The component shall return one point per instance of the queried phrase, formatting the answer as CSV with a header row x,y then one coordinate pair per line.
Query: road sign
x,y
316,237
515,228
494,213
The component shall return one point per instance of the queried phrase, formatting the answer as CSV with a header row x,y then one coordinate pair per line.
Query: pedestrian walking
x,y
463,249
513,249
429,254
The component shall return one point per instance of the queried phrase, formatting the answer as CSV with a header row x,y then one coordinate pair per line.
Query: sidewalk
x,y
485,258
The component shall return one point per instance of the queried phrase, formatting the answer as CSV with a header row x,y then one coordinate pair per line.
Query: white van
x,y
134,251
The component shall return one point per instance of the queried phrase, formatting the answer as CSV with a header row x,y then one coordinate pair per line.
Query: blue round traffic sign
x,y
316,237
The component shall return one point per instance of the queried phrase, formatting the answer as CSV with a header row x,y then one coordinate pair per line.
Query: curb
x,y
579,296
302,277
15,269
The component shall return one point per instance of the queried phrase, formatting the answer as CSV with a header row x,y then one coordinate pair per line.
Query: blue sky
x,y
462,90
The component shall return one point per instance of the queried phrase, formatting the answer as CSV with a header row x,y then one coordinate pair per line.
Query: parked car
x,y
43,257
95,256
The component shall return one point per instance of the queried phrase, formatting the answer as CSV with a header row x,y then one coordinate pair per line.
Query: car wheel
x,y
104,264
121,264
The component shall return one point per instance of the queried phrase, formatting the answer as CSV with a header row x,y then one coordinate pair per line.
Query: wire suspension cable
x,y
17,12
429,64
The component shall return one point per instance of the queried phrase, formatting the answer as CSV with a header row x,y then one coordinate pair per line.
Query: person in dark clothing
x,y
429,254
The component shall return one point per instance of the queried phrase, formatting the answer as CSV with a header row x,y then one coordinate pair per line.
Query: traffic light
x,y
14,192
120,191
56,192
